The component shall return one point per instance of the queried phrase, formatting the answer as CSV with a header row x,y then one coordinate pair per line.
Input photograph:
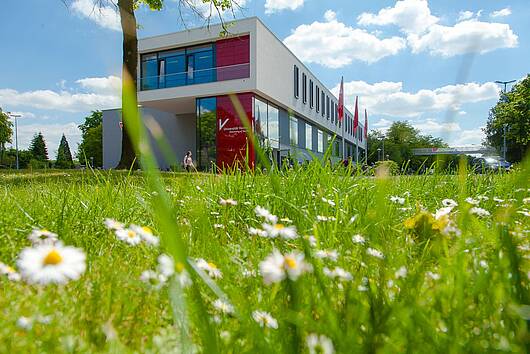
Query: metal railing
x,y
193,77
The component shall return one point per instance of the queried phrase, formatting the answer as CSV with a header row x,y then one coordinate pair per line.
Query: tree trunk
x,y
130,65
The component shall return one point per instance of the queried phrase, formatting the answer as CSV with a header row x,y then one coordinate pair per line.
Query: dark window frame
x,y
317,96
296,82
304,88
311,94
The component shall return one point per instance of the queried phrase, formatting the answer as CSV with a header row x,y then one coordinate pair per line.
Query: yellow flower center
x,y
147,229
279,226
290,262
53,258
211,265
10,269
179,267
131,234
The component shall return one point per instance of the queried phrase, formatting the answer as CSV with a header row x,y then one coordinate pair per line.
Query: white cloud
x,y
334,44
105,16
469,36
272,6
101,95
468,137
432,126
412,16
501,13
52,135
388,98
465,15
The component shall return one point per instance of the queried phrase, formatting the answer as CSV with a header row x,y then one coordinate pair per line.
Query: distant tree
x,y
91,148
399,141
6,133
24,158
513,112
38,148
64,155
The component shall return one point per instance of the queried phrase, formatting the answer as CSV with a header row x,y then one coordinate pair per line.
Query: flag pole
x,y
356,145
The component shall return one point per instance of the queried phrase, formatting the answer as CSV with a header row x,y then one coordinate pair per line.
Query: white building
x,y
189,82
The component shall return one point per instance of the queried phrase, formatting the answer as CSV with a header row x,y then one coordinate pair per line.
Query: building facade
x,y
204,89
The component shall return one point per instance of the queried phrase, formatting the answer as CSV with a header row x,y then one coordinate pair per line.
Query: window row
x,y
318,144
266,124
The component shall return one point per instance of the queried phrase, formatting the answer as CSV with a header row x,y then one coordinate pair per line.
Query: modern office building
x,y
195,84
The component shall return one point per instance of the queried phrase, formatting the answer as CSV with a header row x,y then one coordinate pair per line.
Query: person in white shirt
x,y
188,162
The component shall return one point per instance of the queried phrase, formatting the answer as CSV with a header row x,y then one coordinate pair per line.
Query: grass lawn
x,y
352,264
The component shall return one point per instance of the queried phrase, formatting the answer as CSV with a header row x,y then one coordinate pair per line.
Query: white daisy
x,y
218,226
397,200
472,201
327,254
312,240
154,279
209,268
42,236
524,212
449,203
358,239
433,276
25,323
275,230
401,272
526,200
265,214
319,344
227,202
329,201
479,212
374,253
264,319
223,306
338,272
146,234
498,200
112,224
168,268
257,232
276,267
45,264
9,272
128,236
353,218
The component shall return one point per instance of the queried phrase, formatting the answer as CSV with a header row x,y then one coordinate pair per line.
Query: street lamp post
x,y
378,154
504,141
15,116
505,83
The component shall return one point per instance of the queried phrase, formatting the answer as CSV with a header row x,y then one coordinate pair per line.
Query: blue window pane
x,y
149,74
176,71
202,66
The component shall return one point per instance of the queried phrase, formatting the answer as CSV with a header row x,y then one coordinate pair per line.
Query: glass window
x,y
311,94
308,136
296,82
317,96
327,107
202,66
260,121
149,68
293,130
176,70
323,100
304,87
320,147
273,127
206,132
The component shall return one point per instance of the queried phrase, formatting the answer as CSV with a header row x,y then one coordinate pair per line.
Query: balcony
x,y
193,77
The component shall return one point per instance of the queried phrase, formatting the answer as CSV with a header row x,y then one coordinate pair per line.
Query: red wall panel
x,y
232,139
233,58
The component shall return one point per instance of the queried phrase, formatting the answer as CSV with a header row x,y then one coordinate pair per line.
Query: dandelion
x,y
374,253
479,212
45,264
358,239
319,344
275,230
209,268
401,272
472,201
42,236
128,236
257,232
264,319
327,254
397,200
338,273
153,279
113,225
227,202
276,267
223,306
449,203
168,268
146,234
265,214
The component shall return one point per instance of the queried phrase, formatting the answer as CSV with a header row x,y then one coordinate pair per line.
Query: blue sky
x,y
430,62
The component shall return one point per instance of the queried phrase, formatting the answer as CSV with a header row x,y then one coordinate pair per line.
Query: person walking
x,y
188,162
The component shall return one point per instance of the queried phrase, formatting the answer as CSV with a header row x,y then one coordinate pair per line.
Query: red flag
x,y
341,100
356,116
365,124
